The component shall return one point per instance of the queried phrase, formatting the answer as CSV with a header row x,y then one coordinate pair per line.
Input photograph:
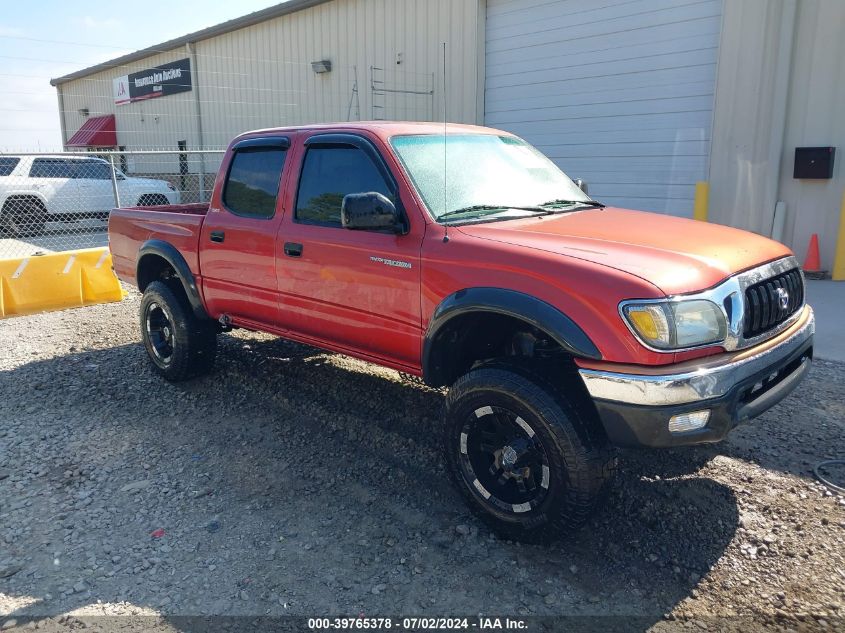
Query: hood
x,y
675,254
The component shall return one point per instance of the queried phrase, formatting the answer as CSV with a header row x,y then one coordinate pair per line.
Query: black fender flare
x,y
172,256
513,303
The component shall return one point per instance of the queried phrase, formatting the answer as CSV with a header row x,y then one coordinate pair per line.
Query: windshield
x,y
482,170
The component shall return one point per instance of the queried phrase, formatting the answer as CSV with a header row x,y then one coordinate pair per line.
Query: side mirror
x,y
582,185
370,211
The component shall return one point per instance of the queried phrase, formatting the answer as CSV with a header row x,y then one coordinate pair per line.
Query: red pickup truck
x,y
562,327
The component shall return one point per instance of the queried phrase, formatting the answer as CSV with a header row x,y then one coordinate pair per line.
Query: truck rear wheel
x,y
526,459
179,344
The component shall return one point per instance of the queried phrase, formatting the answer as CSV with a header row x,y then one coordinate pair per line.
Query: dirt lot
x,y
293,481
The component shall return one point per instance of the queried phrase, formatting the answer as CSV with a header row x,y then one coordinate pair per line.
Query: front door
x,y
237,242
353,290
96,192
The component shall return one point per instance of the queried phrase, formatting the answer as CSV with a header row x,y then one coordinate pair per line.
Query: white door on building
x,y
617,92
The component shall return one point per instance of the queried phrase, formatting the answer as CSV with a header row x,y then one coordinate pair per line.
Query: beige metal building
x,y
257,71
642,98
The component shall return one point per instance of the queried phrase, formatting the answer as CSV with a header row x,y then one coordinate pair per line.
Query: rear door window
x,y
252,185
8,164
52,168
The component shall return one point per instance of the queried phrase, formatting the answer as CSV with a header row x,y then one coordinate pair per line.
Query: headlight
x,y
672,325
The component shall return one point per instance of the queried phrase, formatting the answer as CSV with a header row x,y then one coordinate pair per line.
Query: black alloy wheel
x,y
503,459
159,328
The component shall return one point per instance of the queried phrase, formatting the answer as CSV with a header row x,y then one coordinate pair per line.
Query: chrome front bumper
x,y
635,408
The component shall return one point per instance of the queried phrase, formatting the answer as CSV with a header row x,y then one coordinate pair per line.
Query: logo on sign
x,y
121,90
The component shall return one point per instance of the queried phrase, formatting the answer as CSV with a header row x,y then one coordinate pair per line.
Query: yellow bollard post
x,y
702,198
838,273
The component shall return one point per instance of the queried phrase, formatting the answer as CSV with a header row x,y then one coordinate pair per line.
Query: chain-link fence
x,y
61,201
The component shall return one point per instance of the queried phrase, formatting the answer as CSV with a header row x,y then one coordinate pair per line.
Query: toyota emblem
x,y
783,298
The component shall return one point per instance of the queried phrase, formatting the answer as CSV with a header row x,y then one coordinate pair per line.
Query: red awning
x,y
98,131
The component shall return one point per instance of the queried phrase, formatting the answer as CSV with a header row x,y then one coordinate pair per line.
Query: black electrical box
x,y
814,162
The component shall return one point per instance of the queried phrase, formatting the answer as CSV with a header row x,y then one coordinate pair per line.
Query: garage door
x,y
617,92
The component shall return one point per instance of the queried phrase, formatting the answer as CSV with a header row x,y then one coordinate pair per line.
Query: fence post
x,y
114,182
201,175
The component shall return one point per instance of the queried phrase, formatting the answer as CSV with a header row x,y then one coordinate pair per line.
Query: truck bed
x,y
177,224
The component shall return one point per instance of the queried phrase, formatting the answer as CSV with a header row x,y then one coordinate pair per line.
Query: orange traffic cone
x,y
812,264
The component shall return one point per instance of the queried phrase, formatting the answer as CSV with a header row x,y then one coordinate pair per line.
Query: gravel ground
x,y
294,481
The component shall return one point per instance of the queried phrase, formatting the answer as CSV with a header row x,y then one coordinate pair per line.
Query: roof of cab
x,y
383,129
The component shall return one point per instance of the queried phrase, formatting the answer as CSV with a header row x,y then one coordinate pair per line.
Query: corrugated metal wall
x,y
757,127
618,92
393,42
386,64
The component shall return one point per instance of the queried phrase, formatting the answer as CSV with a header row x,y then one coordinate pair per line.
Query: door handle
x,y
218,236
292,249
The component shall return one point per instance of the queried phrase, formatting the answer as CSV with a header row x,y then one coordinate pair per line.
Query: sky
x,y
43,39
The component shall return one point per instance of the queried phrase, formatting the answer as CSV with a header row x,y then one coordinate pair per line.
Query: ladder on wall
x,y
381,90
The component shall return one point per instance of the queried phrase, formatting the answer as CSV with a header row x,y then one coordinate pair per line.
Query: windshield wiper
x,y
490,207
562,202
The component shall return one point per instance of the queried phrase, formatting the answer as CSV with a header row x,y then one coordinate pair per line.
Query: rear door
x,y
353,290
237,241
53,179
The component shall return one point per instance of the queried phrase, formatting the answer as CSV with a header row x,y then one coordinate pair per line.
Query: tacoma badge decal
x,y
390,262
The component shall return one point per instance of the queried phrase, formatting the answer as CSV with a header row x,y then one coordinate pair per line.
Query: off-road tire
x,y
193,340
22,217
581,462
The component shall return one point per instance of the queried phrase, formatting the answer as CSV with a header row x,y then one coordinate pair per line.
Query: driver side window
x,y
328,174
93,170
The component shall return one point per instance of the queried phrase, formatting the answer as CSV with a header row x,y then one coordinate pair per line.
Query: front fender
x,y
532,310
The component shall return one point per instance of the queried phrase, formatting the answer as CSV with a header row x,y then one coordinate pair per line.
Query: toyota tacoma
x,y
562,327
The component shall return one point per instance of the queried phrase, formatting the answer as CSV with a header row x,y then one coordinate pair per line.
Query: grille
x,y
763,305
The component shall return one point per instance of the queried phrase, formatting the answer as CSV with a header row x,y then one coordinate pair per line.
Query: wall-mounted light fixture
x,y
322,66
83,111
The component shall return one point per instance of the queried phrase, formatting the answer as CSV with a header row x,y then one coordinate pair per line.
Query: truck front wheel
x,y
526,459
179,344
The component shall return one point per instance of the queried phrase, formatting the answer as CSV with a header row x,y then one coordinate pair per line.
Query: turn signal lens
x,y
650,322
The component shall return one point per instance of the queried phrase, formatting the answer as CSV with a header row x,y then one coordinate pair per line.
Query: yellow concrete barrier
x,y
57,281
702,200
838,273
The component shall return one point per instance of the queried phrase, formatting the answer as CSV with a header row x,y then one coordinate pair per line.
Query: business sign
x,y
167,79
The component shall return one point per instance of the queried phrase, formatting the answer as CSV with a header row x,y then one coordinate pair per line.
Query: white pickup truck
x,y
35,190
